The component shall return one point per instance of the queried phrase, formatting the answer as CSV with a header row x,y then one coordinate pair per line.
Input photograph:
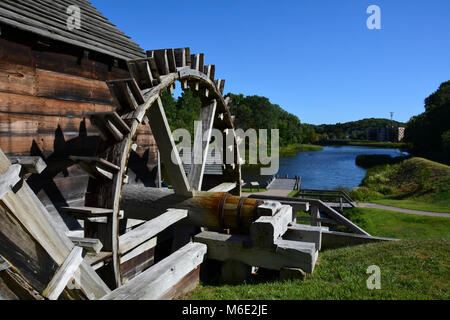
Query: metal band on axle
x,y
222,209
239,213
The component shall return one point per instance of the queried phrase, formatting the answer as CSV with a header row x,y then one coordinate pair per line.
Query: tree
x,y
427,132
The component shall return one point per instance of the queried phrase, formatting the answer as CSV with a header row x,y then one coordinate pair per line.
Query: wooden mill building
x,y
50,77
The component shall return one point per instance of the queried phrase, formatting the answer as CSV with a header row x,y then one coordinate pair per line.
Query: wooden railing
x,y
338,198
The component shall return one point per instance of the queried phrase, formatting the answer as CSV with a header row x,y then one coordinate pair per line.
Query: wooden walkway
x,y
283,184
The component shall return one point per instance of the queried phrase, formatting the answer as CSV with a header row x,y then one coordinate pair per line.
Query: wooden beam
x,y
150,229
153,283
9,179
223,187
65,272
305,233
201,145
168,151
287,253
88,244
265,231
30,163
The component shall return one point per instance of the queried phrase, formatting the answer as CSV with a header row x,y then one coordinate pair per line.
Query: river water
x,y
330,168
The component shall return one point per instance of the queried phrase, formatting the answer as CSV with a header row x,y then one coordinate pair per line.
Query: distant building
x,y
401,133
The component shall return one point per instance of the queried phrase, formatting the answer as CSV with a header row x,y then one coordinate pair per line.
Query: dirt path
x,y
383,207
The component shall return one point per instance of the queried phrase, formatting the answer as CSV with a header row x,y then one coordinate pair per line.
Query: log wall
x,y
46,89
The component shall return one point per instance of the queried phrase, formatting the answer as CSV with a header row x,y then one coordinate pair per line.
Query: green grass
x,y
410,269
292,149
383,223
437,205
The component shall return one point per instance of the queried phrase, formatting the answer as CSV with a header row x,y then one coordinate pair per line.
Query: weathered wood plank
x,y
157,280
88,244
64,274
65,87
150,229
166,145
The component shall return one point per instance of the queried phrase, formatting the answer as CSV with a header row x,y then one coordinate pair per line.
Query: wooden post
x,y
166,145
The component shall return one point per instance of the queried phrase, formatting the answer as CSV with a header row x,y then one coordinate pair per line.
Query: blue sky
x,y
315,58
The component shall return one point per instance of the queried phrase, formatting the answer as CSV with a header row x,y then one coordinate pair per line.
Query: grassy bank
x,y
415,183
292,149
410,269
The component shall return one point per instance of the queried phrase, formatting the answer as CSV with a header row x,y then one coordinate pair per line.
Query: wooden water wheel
x,y
138,103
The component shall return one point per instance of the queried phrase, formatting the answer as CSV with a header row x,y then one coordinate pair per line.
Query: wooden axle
x,y
214,210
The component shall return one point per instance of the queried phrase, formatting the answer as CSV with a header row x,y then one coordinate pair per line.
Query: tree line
x,y
253,112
